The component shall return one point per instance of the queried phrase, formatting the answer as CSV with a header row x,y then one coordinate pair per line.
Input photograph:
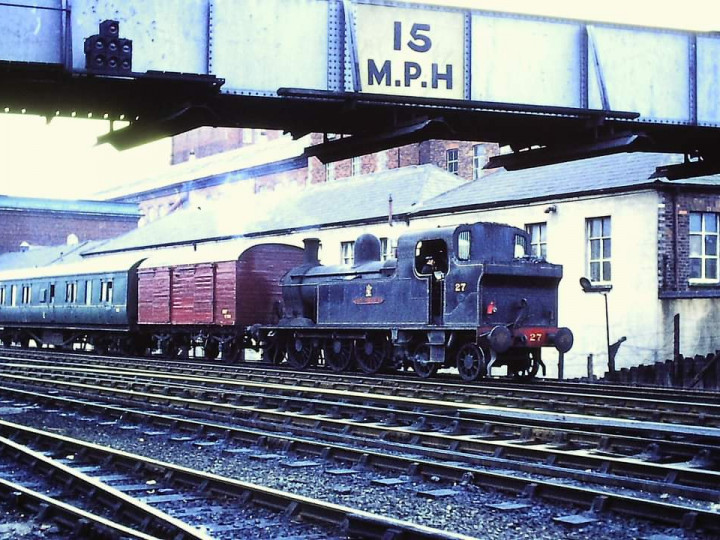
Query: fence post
x,y
590,367
561,366
676,336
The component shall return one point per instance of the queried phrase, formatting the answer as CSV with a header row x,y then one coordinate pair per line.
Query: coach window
x,y
52,293
88,292
71,292
106,291
26,294
13,295
2,296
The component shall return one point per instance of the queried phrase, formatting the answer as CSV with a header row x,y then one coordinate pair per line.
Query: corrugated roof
x,y
59,205
558,180
358,198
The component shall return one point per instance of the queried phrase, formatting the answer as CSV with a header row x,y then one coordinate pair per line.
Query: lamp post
x,y
587,287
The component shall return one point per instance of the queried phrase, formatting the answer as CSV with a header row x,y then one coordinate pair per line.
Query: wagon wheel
x,y
302,353
371,353
471,362
338,354
170,348
529,368
273,349
211,349
421,362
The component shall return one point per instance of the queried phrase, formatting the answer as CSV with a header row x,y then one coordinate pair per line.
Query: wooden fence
x,y
699,372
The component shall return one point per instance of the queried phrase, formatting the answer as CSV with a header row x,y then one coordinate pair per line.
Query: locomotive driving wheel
x,y
421,362
273,349
471,362
371,353
302,352
338,354
529,367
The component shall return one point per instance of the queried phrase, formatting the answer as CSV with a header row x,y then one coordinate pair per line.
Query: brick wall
x,y
53,228
206,141
673,235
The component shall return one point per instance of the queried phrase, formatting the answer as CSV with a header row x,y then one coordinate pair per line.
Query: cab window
x,y
464,241
431,256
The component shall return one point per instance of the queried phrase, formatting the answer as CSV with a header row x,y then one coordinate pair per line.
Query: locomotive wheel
x,y
471,362
338,354
421,362
530,369
273,349
301,353
371,353
170,349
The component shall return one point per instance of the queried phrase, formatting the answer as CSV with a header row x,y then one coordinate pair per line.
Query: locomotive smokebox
x,y
312,248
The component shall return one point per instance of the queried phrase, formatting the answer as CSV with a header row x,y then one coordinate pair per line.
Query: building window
x,y
106,291
452,160
538,239
330,172
71,292
356,164
703,246
599,249
386,249
478,160
26,294
346,252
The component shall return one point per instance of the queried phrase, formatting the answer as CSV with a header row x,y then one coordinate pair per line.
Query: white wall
x,y
634,308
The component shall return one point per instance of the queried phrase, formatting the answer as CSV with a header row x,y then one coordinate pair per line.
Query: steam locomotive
x,y
467,297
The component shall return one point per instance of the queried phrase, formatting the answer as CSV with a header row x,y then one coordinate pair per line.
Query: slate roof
x,y
36,257
360,198
582,177
232,165
77,207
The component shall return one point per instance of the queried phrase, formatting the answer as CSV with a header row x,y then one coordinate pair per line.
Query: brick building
x,y
208,167
28,222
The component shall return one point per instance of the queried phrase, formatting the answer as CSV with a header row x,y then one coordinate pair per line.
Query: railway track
x,y
643,404
383,432
165,500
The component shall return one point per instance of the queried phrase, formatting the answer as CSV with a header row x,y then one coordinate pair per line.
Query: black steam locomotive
x,y
466,296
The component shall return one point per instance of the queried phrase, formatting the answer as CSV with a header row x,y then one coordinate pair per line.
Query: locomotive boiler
x,y
467,297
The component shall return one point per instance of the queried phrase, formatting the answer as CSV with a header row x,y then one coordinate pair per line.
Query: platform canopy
x,y
386,73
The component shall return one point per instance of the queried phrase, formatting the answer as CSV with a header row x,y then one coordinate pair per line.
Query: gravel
x,y
464,511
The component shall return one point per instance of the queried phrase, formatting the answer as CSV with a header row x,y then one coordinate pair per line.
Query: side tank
x,y
301,286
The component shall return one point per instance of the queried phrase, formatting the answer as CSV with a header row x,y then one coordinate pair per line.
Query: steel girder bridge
x,y
384,73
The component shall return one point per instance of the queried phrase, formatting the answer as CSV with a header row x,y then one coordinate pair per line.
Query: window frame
x,y
478,156
345,258
704,234
452,160
538,249
602,260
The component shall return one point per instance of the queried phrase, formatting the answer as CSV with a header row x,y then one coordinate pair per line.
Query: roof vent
x,y
24,246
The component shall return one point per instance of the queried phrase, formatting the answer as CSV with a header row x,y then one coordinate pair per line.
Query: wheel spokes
x,y
471,363
421,362
338,354
371,354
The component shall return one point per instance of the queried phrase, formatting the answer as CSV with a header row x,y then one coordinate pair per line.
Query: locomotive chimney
x,y
312,247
